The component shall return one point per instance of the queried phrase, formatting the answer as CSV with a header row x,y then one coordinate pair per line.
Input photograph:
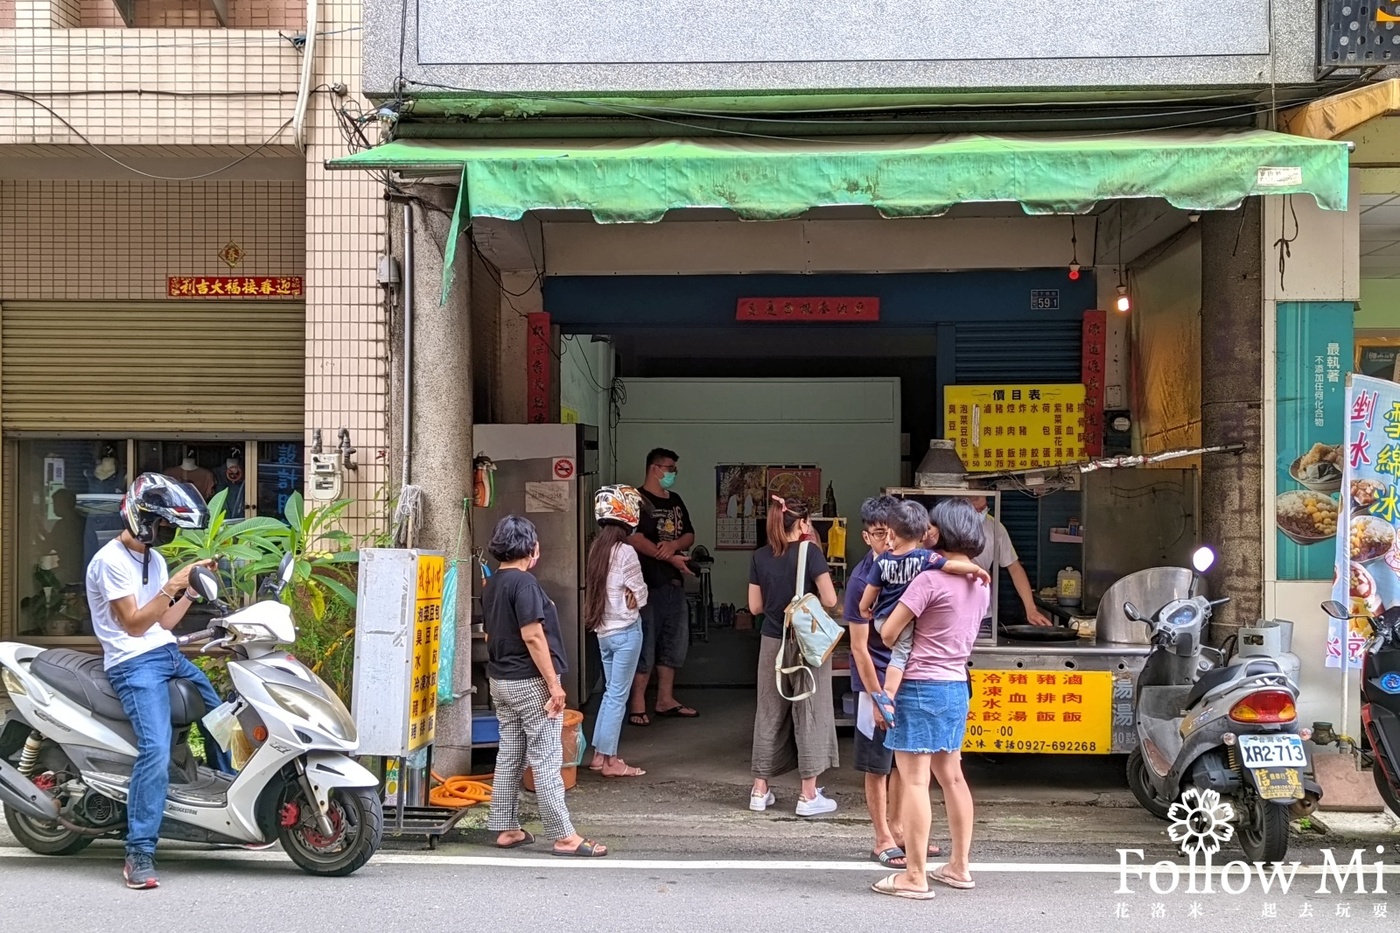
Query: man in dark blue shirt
x,y
870,658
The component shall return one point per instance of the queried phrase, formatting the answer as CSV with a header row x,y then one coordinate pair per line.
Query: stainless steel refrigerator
x,y
547,473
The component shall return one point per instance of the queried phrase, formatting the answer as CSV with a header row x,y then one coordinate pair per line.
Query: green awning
x,y
631,181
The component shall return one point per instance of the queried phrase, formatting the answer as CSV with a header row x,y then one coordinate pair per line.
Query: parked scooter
x,y
67,749
1380,700
1211,724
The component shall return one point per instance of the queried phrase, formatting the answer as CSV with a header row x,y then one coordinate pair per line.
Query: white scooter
x,y
67,749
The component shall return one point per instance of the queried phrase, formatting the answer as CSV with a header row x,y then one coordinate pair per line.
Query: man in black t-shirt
x,y
661,540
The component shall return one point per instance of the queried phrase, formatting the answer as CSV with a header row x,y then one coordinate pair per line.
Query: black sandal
x,y
586,849
638,719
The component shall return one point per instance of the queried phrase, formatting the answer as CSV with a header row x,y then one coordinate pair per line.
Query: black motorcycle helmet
x,y
155,507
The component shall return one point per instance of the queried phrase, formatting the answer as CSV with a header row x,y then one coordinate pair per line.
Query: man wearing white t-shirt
x,y
1000,552
135,603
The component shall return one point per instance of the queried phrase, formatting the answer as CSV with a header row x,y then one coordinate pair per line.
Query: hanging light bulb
x,y
1125,303
1074,251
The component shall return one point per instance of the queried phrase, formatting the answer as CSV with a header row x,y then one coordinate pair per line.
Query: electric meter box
x,y
398,625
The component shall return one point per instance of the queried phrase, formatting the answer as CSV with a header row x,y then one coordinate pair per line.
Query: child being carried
x,y
910,554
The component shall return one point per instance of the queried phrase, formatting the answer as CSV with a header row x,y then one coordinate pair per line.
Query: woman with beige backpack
x,y
795,720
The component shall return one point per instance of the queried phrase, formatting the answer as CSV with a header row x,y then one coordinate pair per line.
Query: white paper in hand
x,y
865,715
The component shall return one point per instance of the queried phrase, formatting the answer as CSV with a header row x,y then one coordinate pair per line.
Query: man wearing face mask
x,y
135,603
661,540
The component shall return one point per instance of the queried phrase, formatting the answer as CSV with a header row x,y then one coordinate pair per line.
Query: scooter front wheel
x,y
1264,832
1140,783
1386,791
357,827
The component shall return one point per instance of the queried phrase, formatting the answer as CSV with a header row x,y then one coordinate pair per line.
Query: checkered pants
x,y
528,735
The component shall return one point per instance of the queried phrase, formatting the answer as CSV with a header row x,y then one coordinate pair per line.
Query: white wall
x,y
848,427
585,372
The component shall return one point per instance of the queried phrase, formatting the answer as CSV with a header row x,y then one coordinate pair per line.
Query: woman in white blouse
x,y
614,593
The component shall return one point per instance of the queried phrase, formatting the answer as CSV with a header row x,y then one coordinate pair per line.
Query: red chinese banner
x,y
1092,370
233,286
538,367
832,310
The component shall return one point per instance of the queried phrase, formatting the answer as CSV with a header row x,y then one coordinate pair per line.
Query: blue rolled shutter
x,y
1035,351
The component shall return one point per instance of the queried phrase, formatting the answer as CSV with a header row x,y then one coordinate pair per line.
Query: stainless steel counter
x,y
1082,647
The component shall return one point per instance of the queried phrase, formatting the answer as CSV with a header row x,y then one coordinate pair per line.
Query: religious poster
x,y
797,482
740,491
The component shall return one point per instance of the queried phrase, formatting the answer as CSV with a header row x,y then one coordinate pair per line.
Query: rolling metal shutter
x,y
1040,351
169,369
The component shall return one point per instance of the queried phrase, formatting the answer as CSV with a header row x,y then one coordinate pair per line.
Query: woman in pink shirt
x,y
930,710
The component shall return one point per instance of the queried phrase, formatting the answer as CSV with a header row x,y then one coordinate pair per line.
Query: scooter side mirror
x,y
1203,559
203,582
284,572
1132,613
1335,609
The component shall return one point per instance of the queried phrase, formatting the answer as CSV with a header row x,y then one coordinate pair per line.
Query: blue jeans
x,y
620,653
142,684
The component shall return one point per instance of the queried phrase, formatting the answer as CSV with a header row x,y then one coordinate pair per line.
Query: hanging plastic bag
x,y
447,642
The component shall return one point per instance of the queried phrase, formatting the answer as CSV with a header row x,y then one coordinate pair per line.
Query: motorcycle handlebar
x,y
193,637
1219,602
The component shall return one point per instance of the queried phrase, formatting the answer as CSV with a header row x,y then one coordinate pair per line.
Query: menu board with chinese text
x,y
1040,712
1015,427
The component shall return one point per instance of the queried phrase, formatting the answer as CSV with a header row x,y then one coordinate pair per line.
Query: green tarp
x,y
630,181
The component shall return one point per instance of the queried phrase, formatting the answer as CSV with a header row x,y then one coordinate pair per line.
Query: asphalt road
x,y
234,892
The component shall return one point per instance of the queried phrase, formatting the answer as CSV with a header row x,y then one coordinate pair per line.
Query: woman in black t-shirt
x,y
788,735
525,657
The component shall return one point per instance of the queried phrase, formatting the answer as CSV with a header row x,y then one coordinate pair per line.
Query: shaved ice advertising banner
x,y
1367,560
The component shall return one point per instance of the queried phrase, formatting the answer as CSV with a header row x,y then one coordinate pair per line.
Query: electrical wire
x,y
130,168
648,113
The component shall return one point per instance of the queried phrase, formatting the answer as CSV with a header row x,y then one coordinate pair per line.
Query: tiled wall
x,y
347,351
67,14
242,14
71,241
200,87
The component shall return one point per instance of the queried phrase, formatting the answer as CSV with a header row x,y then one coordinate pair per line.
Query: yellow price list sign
x,y
1041,712
427,633
1015,427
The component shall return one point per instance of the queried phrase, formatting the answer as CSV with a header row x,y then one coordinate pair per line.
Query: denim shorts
x,y
929,716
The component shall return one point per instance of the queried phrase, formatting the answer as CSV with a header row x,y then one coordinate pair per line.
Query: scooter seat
x,y
1224,675
79,676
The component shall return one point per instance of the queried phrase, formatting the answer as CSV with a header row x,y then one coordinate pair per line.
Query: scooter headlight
x,y
327,714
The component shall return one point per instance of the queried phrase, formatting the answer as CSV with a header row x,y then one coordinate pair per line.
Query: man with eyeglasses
x,y
661,540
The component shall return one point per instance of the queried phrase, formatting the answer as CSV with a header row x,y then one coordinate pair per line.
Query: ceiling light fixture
x,y
1125,304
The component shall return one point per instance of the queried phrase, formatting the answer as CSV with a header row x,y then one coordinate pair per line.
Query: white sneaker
x,y
760,802
817,806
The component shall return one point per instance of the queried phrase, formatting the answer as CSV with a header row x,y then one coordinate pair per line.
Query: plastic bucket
x,y
574,746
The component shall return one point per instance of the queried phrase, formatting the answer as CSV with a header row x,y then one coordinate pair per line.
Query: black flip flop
x,y
586,849
526,840
888,857
638,719
678,712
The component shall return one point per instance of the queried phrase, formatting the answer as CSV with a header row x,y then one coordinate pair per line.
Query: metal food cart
x,y
1074,695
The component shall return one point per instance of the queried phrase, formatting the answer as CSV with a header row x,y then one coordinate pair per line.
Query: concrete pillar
x,y
1232,399
521,294
440,433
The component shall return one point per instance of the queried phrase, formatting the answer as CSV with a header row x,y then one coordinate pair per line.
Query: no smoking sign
x,y
563,468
